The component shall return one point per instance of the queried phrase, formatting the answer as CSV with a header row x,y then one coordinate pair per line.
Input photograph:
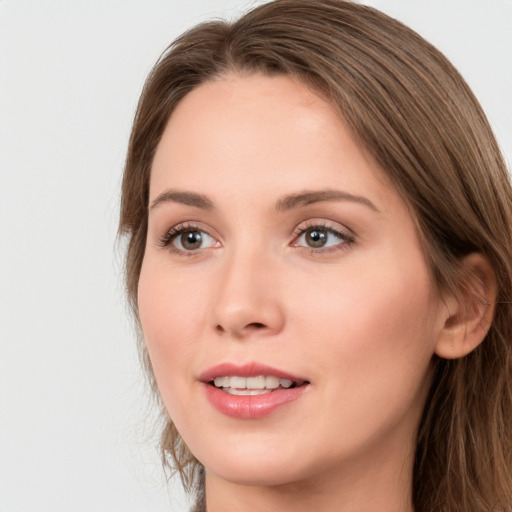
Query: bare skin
x,y
274,239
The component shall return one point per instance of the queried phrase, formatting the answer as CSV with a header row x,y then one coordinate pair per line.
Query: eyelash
x,y
346,239
168,238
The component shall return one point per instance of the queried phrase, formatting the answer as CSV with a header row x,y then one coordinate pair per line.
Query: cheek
x,y
373,332
384,307
390,311
172,313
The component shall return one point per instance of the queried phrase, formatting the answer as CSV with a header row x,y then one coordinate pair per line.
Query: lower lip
x,y
251,407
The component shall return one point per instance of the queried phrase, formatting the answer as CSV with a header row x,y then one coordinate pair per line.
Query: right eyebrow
x,y
316,196
187,198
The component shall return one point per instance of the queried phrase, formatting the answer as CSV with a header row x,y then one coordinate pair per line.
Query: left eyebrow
x,y
316,196
183,197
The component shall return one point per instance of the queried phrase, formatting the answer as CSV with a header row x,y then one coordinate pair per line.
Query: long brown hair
x,y
409,107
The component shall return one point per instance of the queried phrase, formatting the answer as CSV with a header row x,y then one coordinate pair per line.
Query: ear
x,y
468,316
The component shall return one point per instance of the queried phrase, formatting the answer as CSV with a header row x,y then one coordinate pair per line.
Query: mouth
x,y
253,386
251,391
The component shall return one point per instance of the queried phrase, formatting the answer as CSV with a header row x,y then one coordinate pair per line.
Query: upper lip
x,y
252,369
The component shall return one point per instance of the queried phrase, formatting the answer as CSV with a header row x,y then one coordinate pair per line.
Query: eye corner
x,y
322,237
188,239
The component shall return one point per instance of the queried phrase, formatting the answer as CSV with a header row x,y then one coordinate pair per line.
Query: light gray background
x,y
75,420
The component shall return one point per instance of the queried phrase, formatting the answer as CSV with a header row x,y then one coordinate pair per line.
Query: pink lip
x,y
249,407
246,370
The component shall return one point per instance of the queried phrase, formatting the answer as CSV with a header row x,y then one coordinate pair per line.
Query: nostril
x,y
255,325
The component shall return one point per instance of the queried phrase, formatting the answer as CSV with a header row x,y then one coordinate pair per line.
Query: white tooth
x,y
246,392
286,383
256,382
221,382
271,382
238,382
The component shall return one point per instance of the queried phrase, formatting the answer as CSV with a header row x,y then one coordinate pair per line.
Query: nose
x,y
248,302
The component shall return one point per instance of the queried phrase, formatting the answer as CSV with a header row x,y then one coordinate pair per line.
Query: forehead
x,y
260,133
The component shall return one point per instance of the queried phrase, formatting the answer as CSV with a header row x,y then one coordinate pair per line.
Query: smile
x,y
250,391
252,386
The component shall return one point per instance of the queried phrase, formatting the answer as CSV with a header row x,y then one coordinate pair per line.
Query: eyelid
x,y
167,239
346,236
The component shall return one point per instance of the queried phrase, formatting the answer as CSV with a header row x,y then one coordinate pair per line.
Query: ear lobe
x,y
469,314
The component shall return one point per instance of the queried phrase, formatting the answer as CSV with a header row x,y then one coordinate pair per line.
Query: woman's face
x,y
278,251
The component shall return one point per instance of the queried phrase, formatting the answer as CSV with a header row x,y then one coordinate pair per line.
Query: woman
x,y
319,257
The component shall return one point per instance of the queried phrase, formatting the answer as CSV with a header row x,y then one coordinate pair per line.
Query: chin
x,y
258,466
256,475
